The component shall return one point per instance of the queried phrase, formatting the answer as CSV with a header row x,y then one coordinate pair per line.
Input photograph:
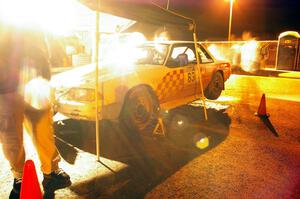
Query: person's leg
x,y
39,125
41,130
11,136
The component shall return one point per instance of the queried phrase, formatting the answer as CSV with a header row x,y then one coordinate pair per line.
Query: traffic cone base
x,y
30,188
262,109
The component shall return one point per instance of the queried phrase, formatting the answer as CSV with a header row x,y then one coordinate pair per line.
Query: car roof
x,y
171,42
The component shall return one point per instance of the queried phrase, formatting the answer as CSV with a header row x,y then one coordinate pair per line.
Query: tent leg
x,y
96,82
200,75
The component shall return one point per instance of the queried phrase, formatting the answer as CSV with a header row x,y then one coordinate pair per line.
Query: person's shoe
x,y
56,180
15,192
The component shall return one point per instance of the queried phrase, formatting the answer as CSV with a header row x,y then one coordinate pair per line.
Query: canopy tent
x,y
144,11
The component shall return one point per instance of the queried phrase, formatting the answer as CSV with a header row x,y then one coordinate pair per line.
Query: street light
x,y
230,19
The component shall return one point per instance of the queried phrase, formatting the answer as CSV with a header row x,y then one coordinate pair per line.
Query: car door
x,y
181,65
207,67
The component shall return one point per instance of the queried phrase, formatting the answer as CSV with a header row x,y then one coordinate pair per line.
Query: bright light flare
x,y
162,37
37,93
56,16
117,56
72,78
248,55
226,99
213,49
243,54
236,48
123,51
202,143
180,122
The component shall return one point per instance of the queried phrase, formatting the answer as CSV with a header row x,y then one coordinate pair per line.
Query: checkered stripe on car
x,y
172,82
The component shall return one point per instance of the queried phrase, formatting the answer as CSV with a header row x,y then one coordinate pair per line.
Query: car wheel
x,y
215,87
140,110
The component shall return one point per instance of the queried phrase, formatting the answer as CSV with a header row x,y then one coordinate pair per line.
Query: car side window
x,y
181,56
184,50
204,56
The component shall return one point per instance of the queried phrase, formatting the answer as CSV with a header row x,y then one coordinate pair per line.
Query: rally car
x,y
159,76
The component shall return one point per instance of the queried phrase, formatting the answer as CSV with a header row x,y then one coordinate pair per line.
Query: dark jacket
x,y
18,48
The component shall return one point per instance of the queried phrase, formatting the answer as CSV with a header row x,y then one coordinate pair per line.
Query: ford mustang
x,y
140,81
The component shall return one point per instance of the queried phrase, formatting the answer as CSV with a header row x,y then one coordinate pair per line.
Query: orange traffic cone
x,y
30,188
262,109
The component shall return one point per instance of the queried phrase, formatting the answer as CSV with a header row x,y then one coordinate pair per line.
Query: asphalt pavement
x,y
252,162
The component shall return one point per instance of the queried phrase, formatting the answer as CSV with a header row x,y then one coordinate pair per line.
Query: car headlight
x,y
81,95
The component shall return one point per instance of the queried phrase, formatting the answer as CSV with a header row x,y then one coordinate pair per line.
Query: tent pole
x,y
199,72
168,4
97,81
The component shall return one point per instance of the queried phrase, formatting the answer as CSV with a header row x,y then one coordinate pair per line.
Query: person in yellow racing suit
x,y
19,48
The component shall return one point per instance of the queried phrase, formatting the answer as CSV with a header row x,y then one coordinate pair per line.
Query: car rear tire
x,y
215,87
140,110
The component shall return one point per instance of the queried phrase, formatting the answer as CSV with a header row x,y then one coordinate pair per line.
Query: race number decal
x,y
191,76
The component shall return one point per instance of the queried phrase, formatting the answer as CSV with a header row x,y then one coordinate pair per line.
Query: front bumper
x,y
77,110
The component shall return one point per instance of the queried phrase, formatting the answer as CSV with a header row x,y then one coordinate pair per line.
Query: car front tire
x,y
140,110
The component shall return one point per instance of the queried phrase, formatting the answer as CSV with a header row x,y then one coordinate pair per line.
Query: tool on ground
x,y
160,128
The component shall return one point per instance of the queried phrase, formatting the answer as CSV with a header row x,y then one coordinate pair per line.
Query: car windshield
x,y
154,54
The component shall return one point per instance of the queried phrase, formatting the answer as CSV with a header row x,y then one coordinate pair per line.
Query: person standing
x,y
24,55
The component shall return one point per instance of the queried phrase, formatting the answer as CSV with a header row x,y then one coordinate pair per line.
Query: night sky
x,y
265,19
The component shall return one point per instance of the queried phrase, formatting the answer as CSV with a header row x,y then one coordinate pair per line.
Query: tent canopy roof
x,y
144,11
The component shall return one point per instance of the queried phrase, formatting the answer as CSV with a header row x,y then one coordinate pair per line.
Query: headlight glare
x,y
81,95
